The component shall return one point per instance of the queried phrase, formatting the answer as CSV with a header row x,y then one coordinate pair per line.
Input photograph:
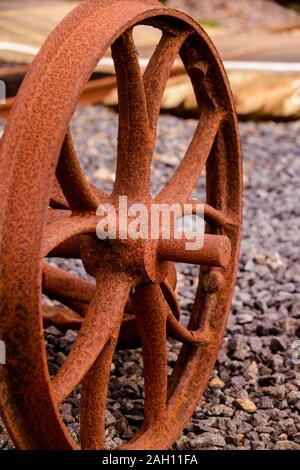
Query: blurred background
x,y
257,39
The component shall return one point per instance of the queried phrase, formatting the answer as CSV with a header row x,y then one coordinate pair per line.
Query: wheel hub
x,y
139,258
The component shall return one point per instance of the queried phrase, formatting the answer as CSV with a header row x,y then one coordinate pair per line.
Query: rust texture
x,y
47,208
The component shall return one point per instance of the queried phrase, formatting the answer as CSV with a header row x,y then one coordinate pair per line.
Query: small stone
x,y
68,419
3,439
215,382
76,413
233,440
172,358
261,305
109,418
232,344
105,174
251,371
267,329
242,349
183,443
249,266
70,336
244,318
52,368
264,429
245,428
286,445
238,382
207,439
296,438
266,381
60,358
222,410
246,405
199,428
293,397
50,357
265,437
257,445
277,391
223,423
122,425
275,263
205,425
135,420
51,330
266,403
255,343
260,259
277,362
66,409
52,341
243,394
253,436
277,345
260,419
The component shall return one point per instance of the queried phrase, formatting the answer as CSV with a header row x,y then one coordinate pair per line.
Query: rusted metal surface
x,y
95,91
133,275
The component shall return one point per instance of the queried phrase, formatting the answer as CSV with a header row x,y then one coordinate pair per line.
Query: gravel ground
x,y
253,400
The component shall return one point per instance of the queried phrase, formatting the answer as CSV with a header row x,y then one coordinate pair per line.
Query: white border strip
x,y
280,67
14,47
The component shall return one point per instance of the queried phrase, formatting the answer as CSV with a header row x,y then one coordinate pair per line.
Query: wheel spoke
x,y
158,72
171,299
177,331
64,286
60,317
77,190
69,248
152,311
184,180
103,318
57,199
171,278
134,141
94,396
61,230
57,214
215,251
212,216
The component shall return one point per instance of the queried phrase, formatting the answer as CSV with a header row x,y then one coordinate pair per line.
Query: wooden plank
x,y
29,24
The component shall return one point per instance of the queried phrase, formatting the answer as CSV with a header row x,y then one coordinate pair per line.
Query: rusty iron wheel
x,y
48,208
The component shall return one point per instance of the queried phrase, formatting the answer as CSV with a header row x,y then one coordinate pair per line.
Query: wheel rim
x,y
45,104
